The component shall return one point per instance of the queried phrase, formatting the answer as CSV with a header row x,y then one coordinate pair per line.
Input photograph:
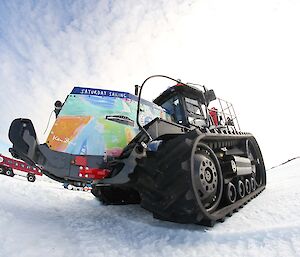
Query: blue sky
x,y
247,51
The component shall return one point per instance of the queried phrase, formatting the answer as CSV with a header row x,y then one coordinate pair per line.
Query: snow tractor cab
x,y
184,103
177,157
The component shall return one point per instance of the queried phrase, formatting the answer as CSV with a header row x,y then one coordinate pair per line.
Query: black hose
x,y
139,100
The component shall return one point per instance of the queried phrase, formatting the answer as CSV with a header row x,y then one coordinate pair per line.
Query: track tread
x,y
165,186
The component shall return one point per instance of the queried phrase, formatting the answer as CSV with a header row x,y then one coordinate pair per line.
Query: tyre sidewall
x,y
31,178
9,173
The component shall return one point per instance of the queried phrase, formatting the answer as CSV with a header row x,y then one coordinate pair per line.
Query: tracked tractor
x,y
182,157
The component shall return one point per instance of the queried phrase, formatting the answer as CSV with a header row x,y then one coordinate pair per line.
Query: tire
x,y
2,170
31,178
9,173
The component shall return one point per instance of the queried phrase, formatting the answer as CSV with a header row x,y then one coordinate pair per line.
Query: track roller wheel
x,y
241,189
247,186
231,193
253,184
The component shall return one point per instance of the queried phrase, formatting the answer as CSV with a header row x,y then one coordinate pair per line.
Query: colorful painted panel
x,y
99,122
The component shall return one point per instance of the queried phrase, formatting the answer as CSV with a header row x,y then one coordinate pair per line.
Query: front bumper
x,y
59,166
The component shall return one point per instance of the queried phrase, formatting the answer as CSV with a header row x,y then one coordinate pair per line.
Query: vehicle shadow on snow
x,y
136,214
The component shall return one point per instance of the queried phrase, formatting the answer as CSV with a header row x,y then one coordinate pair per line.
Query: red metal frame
x,y
88,172
93,173
19,165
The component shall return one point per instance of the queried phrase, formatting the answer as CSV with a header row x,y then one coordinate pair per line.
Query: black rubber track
x,y
165,183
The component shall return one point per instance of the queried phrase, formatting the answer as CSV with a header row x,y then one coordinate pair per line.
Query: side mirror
x,y
57,107
136,90
210,96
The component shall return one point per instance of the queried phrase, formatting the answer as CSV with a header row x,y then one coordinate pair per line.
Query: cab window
x,y
194,112
173,107
192,106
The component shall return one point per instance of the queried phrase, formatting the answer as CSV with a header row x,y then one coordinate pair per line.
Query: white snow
x,y
44,219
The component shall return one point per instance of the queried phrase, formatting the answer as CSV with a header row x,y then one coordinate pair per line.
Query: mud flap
x,y
27,148
23,137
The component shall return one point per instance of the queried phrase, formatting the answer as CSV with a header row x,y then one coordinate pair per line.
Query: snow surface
x,y
44,219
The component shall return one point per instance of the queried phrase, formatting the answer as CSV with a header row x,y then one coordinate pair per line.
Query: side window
x,y
195,112
193,107
173,107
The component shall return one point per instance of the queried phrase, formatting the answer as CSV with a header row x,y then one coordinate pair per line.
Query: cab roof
x,y
180,89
